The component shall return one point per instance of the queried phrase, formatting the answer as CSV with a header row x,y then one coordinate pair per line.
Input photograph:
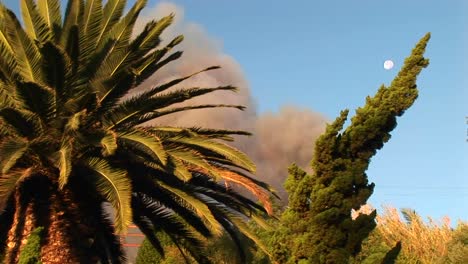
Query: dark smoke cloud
x,y
279,138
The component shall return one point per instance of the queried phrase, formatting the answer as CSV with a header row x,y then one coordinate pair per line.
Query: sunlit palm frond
x,y
65,164
113,184
34,24
50,11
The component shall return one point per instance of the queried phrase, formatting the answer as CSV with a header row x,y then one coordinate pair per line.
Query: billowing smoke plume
x,y
279,138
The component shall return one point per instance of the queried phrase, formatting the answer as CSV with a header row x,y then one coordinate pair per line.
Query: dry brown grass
x,y
424,242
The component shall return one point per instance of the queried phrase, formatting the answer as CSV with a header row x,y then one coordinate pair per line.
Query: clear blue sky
x,y
328,55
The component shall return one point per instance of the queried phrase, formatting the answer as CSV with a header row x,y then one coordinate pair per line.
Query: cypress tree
x,y
317,226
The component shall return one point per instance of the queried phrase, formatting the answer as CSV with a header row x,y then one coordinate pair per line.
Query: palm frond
x,y
9,181
72,18
151,63
134,108
145,226
262,194
8,71
90,26
177,167
115,89
57,74
195,161
149,142
50,11
144,185
114,185
223,134
232,154
109,143
201,208
12,151
4,38
26,52
34,23
118,52
112,12
240,224
156,114
36,98
65,164
24,123
152,39
7,96
165,221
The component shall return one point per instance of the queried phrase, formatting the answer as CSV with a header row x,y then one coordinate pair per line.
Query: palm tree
x,y
72,140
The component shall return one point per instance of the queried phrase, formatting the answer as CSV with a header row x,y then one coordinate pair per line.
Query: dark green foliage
x,y
148,254
317,226
373,251
217,249
31,252
392,255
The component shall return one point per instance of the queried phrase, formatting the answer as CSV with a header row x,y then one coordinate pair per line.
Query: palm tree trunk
x,y
66,240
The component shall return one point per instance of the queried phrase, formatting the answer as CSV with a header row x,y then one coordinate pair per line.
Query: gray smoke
x,y
279,138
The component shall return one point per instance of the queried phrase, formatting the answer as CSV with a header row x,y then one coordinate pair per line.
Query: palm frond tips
x,y
232,154
50,11
26,53
35,25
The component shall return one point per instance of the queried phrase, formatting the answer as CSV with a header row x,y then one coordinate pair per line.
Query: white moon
x,y
388,64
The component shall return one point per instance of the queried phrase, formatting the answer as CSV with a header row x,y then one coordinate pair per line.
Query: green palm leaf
x,y
177,167
195,161
119,53
4,38
114,185
90,26
26,52
199,206
132,109
111,14
24,123
154,115
9,181
12,151
109,143
36,98
72,18
234,155
34,23
65,164
151,143
50,11
8,63
57,74
152,39
7,98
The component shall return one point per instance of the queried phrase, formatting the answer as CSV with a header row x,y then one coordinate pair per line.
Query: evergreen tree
x,y
317,226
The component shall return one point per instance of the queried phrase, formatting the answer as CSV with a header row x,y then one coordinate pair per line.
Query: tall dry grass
x,y
424,242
